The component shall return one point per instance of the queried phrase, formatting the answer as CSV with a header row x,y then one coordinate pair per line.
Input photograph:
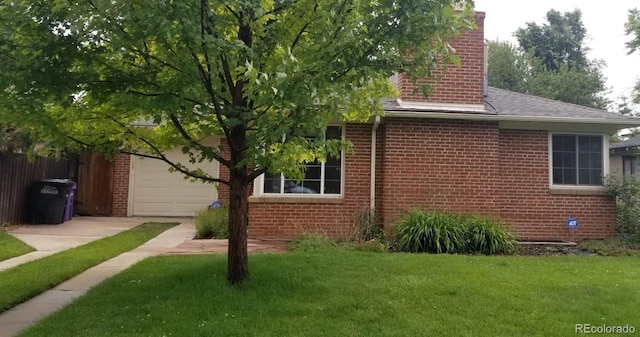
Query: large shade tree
x,y
632,29
558,42
267,76
551,61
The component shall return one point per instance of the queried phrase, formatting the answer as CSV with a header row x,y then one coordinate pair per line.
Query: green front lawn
x,y
11,247
24,281
348,293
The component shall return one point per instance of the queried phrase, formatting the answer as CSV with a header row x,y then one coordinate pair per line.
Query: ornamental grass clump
x,y
438,232
433,232
212,223
484,236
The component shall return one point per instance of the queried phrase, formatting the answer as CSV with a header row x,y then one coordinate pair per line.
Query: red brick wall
x,y
287,220
527,203
121,185
464,84
450,165
439,165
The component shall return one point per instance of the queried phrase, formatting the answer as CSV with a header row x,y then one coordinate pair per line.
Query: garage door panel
x,y
165,198
167,182
157,192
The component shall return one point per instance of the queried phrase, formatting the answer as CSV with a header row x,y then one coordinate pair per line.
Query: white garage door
x,y
157,192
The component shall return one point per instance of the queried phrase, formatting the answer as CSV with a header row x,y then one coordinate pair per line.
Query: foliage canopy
x,y
632,29
550,61
267,76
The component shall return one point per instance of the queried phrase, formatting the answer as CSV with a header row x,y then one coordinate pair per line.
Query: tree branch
x,y
304,28
213,96
204,19
232,12
190,100
162,157
178,168
280,8
163,62
227,74
256,173
197,144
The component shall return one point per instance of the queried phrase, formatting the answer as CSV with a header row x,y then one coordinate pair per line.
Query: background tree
x,y
558,42
508,67
583,87
632,29
550,61
13,140
265,75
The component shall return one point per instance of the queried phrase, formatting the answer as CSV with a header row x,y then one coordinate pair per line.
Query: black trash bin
x,y
49,200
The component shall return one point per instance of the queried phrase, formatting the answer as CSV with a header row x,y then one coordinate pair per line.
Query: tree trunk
x,y
237,262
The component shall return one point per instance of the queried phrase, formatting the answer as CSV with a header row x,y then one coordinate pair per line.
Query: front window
x,y
577,159
320,178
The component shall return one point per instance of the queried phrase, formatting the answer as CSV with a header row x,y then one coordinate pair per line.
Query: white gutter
x,y
372,197
511,118
430,106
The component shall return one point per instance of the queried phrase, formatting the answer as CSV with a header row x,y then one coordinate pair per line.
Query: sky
x,y
604,21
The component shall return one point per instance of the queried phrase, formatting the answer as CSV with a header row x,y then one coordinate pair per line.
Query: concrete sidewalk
x,y
22,316
50,239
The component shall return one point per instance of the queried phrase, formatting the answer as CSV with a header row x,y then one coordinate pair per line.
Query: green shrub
x,y
309,242
212,223
627,194
615,246
437,232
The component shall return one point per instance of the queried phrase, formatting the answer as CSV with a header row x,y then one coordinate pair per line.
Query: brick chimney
x,y
460,85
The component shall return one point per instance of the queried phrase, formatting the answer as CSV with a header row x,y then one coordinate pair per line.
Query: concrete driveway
x,y
50,239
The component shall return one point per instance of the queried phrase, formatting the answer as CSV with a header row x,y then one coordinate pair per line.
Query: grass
x,y
312,242
30,279
350,293
12,247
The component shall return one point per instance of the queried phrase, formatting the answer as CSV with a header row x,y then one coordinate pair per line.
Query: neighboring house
x,y
623,157
528,161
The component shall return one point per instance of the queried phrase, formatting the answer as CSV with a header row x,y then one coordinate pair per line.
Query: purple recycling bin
x,y
68,210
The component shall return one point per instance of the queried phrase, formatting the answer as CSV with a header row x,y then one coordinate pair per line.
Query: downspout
x,y
372,197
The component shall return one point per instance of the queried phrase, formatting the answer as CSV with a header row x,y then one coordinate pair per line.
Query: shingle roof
x,y
629,143
508,103
513,105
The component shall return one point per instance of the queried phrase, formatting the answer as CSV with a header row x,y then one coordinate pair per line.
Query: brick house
x,y
528,161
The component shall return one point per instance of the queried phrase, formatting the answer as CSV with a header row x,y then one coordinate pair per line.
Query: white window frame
x,y
605,161
258,186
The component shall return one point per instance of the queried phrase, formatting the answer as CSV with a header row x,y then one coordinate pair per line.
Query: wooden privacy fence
x,y
94,195
17,173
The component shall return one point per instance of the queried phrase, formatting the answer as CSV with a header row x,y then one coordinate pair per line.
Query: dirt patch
x,y
204,246
551,250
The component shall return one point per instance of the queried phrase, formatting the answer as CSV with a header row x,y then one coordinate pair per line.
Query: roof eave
x,y
622,123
